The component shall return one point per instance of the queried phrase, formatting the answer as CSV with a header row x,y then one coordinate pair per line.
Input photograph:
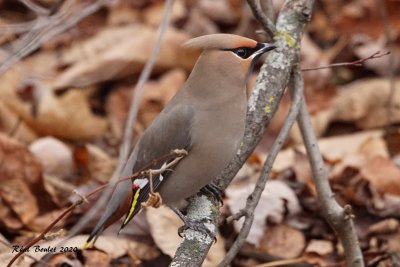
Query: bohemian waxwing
x,y
206,118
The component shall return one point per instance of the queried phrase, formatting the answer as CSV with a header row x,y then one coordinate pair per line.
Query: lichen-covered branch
x,y
254,197
271,81
195,244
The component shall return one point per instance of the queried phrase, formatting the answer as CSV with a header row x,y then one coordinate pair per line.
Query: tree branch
x,y
266,23
358,62
271,83
253,199
195,244
339,218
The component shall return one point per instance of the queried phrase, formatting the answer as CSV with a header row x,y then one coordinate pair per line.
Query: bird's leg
x,y
213,190
197,225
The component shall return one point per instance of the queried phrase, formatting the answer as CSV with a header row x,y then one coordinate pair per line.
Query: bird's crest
x,y
219,41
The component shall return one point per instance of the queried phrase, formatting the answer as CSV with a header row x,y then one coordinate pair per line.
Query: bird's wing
x,y
169,131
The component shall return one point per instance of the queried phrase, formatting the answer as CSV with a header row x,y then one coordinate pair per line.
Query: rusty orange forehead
x,y
220,41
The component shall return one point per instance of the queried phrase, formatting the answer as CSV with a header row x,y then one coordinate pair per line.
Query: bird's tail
x,y
115,209
93,237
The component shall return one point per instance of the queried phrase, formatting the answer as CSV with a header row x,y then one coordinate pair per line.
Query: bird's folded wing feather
x,y
169,131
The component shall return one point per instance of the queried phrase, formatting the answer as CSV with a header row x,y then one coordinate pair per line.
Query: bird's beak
x,y
262,48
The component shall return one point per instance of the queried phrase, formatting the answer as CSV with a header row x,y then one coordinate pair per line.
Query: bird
x,y
206,118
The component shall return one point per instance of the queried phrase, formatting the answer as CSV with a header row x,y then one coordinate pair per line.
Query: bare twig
x,y
254,197
358,62
340,219
266,23
84,198
282,262
44,28
40,11
268,9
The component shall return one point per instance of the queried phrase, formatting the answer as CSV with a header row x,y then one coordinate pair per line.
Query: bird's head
x,y
228,51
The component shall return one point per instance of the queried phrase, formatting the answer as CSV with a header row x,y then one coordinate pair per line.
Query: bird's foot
x,y
213,190
154,200
196,225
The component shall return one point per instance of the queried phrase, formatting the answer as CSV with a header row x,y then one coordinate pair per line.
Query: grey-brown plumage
x,y
206,118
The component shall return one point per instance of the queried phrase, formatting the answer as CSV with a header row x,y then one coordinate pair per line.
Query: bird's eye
x,y
242,52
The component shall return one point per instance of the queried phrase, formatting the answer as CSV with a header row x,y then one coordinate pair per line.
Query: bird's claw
x,y
213,190
196,225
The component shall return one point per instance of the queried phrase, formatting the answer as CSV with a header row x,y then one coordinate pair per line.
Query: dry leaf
x,y
20,178
321,247
158,93
383,174
68,116
283,241
353,150
370,110
277,201
54,155
199,24
12,124
118,52
153,14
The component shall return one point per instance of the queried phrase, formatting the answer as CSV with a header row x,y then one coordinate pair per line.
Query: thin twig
x,y
84,198
46,28
358,62
266,23
39,10
340,219
254,198
281,262
267,7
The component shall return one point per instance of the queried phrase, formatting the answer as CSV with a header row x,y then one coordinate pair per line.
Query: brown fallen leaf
x,y
153,14
15,126
67,116
119,52
277,201
158,93
55,157
383,174
20,184
383,227
283,241
199,24
370,110
321,247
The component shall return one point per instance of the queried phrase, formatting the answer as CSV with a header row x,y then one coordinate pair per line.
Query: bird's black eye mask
x,y
245,52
